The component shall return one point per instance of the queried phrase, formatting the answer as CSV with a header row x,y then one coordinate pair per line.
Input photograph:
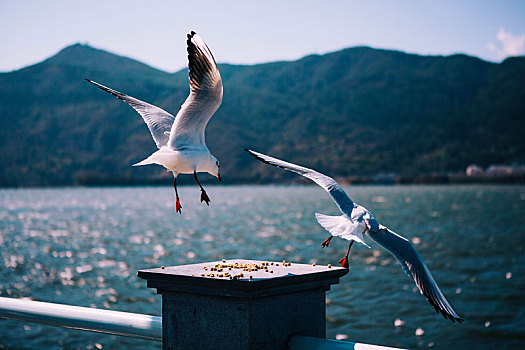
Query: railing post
x,y
259,312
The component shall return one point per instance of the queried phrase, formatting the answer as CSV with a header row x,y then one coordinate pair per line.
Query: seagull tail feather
x,y
341,226
146,161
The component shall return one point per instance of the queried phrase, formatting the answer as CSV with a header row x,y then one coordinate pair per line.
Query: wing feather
x,y
204,99
339,196
416,268
159,121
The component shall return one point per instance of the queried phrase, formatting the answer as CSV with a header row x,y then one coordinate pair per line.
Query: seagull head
x,y
214,169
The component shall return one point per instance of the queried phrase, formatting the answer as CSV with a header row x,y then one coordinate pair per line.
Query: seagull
x,y
357,220
180,140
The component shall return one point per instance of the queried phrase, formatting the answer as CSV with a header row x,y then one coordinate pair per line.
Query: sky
x,y
249,32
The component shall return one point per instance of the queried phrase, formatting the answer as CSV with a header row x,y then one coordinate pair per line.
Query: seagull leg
x,y
204,196
344,261
178,206
326,242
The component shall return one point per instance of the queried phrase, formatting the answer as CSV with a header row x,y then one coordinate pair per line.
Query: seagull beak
x,y
219,177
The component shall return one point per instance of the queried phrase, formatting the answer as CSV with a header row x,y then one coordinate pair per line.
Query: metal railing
x,y
299,342
130,324
88,319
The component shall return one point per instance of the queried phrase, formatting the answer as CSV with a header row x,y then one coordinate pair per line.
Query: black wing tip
x,y
447,314
252,153
191,35
452,318
200,61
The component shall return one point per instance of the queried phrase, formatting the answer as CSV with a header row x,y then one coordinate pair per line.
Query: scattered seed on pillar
x,y
329,266
163,267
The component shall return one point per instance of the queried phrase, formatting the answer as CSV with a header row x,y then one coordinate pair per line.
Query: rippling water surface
x,y
83,247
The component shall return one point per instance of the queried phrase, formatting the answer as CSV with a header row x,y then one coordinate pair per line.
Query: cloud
x,y
507,44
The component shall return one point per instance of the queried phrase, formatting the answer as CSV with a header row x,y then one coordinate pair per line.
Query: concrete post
x,y
241,304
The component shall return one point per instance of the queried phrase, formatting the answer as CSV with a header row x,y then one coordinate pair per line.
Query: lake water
x,y
83,246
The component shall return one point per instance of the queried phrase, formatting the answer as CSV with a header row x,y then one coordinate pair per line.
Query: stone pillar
x,y
260,309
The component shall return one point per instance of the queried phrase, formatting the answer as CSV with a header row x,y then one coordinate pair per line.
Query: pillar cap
x,y
267,280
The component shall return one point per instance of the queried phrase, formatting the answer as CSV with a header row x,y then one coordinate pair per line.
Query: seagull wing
x,y
415,267
339,196
159,121
204,99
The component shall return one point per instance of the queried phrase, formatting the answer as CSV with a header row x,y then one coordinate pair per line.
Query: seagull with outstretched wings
x,y
356,221
180,139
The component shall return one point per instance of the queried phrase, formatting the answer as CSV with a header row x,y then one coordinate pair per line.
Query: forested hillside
x,y
359,111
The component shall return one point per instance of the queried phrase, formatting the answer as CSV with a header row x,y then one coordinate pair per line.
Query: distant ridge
x,y
356,112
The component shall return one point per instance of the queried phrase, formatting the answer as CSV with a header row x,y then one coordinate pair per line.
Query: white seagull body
x,y
180,139
357,220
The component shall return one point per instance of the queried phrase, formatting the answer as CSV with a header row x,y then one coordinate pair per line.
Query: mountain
x,y
355,112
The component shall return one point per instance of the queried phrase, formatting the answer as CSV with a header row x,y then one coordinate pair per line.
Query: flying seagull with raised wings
x,y
180,139
356,221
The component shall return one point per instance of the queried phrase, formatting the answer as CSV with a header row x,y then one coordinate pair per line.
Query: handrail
x,y
132,325
89,319
300,342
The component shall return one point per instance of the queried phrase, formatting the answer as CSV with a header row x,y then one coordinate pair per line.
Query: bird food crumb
x,y
163,267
